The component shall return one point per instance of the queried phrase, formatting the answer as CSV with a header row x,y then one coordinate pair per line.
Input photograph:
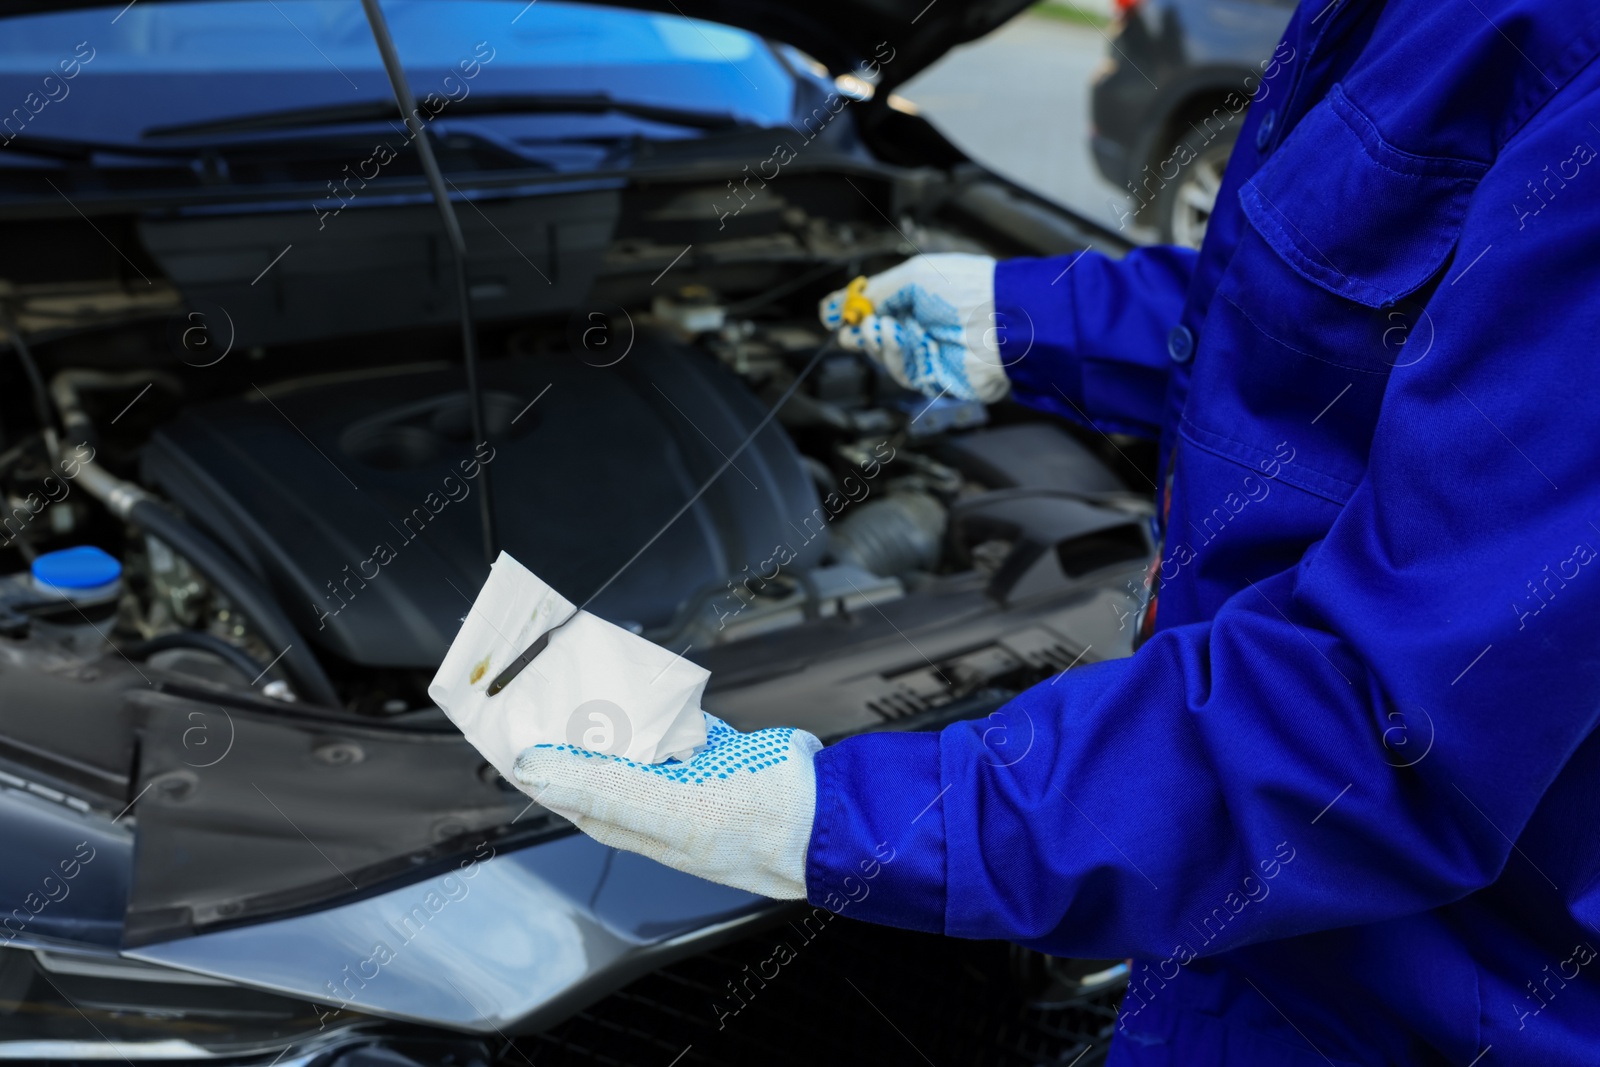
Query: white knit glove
x,y
739,813
929,322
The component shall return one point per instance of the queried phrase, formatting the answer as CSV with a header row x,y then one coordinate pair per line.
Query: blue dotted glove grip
x,y
727,752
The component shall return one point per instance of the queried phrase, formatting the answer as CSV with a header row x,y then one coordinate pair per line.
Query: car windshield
x,y
122,75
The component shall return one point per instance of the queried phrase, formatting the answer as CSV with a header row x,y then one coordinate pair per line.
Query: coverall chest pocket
x,y
1325,297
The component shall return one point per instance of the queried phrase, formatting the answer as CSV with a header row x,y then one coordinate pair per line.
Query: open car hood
x,y
895,38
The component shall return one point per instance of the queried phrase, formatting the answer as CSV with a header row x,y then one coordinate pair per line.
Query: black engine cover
x,y
355,500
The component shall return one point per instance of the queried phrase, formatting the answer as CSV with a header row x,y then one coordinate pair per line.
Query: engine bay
x,y
320,535
242,525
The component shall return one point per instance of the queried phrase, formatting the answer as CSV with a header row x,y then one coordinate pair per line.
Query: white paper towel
x,y
594,685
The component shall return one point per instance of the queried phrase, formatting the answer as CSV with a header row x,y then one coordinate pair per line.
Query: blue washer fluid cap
x,y
77,570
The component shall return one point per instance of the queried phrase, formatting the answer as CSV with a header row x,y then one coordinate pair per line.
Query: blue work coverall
x,y
1344,805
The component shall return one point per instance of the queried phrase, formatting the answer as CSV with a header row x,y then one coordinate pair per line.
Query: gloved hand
x,y
738,813
928,322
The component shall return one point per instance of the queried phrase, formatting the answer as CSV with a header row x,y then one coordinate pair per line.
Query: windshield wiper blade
x,y
83,151
513,104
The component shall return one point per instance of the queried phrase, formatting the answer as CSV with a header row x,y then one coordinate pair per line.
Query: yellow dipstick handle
x,y
856,305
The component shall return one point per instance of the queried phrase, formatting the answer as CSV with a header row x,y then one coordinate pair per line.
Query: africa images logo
x,y
600,726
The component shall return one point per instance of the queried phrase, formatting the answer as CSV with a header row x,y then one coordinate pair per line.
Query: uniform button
x,y
1180,344
1269,121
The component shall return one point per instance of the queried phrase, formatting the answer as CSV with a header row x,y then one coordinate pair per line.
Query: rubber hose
x,y
235,656
67,388
311,682
894,536
30,367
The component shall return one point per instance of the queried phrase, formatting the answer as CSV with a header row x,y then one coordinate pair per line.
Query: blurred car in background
x,y
1171,97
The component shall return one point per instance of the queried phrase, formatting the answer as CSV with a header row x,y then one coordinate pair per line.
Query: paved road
x,y
1018,100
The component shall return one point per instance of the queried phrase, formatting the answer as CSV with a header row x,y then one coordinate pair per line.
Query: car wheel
x,y
1183,207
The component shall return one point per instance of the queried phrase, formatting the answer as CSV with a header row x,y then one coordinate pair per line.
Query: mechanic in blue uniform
x,y
1343,804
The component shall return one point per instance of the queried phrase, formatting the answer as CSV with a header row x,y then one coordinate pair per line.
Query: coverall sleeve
x,y
1248,767
1085,336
